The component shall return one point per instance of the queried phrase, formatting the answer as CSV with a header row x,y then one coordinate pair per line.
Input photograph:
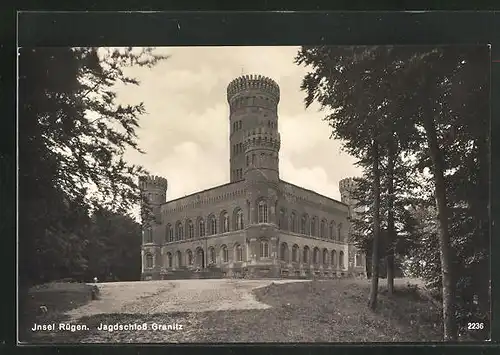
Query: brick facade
x,y
257,225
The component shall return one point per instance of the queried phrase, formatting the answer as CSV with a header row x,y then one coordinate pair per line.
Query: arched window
x,y
211,255
303,227
305,256
264,249
224,254
322,228
212,225
170,232
339,232
282,220
313,227
225,222
239,220
332,230
295,253
248,160
293,222
167,233
190,229
189,257
201,228
284,252
148,235
238,253
333,259
316,256
253,155
325,256
178,260
169,260
149,261
359,259
262,212
341,259
179,231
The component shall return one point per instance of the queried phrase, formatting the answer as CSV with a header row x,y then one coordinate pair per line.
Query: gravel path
x,y
150,297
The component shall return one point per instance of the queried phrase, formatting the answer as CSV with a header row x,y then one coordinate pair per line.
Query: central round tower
x,y
254,138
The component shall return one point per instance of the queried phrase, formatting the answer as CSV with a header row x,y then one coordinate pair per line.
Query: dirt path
x,y
151,297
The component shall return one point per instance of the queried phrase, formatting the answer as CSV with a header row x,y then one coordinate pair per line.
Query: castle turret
x,y
254,137
154,191
255,144
356,259
346,188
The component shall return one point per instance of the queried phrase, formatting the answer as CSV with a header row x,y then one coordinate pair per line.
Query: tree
x,y
113,247
372,302
72,136
352,83
433,128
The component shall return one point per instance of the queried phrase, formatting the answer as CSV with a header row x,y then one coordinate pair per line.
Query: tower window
x,y
240,123
148,235
262,211
264,249
248,160
149,261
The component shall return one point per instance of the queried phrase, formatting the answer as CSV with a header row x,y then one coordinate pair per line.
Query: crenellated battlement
x,y
268,139
253,82
347,185
153,182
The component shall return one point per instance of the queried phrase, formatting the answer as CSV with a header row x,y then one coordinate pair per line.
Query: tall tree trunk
x,y
448,280
390,215
372,303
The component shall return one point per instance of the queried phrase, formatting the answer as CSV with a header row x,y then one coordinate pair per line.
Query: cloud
x,y
186,129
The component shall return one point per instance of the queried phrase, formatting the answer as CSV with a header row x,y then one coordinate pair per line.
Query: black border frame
x,y
251,28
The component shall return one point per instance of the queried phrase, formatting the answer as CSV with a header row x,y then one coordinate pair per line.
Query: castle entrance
x,y
200,258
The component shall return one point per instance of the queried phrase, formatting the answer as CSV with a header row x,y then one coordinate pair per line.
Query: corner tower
x,y
254,138
357,267
154,192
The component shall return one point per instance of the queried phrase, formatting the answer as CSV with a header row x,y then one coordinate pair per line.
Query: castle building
x,y
256,225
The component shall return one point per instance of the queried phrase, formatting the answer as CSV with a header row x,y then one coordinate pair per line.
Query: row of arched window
x,y
324,230
212,226
317,257
324,257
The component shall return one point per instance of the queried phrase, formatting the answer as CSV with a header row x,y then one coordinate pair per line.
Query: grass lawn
x,y
57,298
317,311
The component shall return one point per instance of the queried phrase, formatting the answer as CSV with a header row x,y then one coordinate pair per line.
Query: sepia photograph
x,y
254,194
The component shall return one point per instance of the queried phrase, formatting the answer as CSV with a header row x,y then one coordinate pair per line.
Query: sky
x,y
185,132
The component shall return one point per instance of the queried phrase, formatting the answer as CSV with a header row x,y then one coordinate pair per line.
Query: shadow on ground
x,y
318,311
